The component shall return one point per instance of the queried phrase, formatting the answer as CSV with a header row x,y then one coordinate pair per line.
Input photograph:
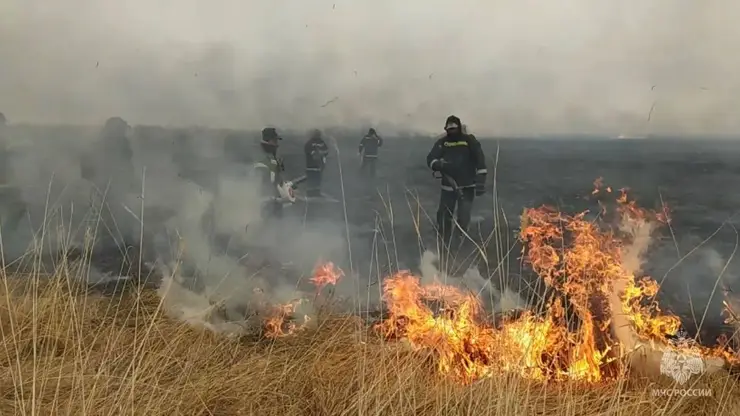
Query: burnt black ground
x,y
697,179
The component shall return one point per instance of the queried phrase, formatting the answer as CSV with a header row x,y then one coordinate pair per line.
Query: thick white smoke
x,y
504,66
471,280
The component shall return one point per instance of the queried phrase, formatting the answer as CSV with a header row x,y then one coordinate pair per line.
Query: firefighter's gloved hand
x,y
438,165
480,183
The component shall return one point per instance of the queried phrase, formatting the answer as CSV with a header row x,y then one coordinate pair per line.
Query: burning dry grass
x,y
68,351
65,352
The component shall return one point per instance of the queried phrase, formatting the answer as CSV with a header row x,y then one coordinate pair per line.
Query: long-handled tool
x,y
450,180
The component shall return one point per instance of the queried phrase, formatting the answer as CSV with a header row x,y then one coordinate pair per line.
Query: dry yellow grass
x,y
64,352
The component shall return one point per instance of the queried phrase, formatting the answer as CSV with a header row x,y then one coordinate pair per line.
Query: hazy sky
x,y
503,66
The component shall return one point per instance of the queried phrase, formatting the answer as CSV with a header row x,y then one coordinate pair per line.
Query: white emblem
x,y
680,366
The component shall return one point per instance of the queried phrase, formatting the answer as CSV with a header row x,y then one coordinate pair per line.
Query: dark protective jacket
x,y
369,145
315,151
464,161
110,159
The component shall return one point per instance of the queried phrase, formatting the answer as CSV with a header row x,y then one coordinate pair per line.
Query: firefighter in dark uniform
x,y
369,151
110,169
459,158
183,156
112,158
270,173
316,152
12,207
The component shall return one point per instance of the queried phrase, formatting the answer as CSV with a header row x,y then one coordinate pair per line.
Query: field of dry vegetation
x,y
67,352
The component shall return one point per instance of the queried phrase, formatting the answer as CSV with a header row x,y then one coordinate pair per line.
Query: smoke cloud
x,y
506,67
470,280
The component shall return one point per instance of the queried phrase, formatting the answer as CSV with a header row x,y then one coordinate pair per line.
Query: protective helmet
x,y
453,122
371,131
314,134
270,136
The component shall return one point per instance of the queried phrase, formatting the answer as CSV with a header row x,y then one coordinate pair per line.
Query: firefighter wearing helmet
x,y
458,158
316,151
269,169
369,146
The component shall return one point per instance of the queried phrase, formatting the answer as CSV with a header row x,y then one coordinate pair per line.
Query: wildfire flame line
x,y
583,264
581,261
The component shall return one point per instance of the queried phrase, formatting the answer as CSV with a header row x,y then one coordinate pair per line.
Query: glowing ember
x,y
326,274
599,186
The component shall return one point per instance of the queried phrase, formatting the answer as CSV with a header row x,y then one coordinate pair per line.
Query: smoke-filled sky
x,y
503,66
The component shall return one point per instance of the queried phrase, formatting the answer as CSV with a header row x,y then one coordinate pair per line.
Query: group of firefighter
x,y
316,152
456,158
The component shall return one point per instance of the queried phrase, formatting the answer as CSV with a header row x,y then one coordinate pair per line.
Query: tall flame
x,y
581,262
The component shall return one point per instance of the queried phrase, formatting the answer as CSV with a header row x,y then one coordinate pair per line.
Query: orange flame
x,y
280,318
581,261
279,321
326,274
